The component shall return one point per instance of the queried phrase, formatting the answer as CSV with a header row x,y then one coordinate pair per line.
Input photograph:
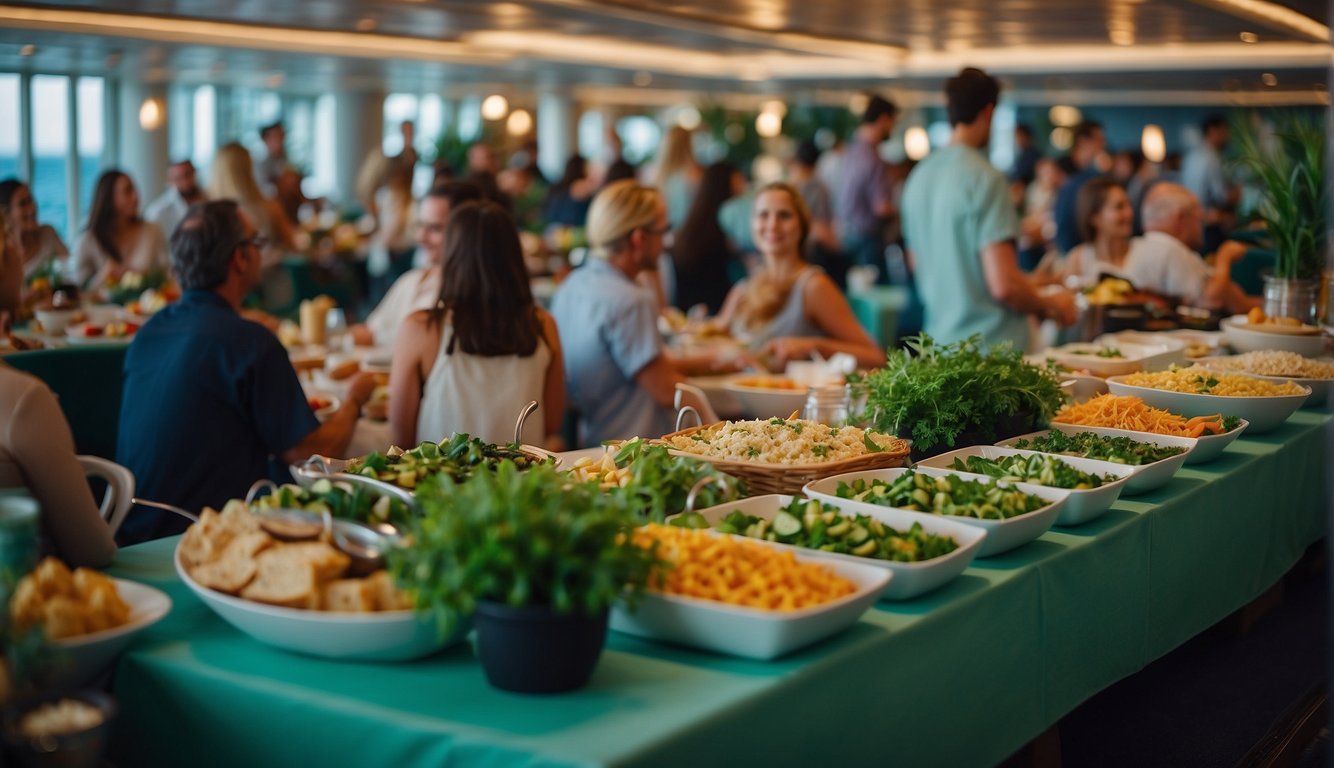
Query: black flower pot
x,y
533,649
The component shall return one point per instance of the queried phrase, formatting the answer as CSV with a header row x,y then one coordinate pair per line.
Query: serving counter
x,y
961,676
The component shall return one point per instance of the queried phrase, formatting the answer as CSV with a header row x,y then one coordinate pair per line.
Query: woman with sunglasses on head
x,y
790,309
118,240
485,351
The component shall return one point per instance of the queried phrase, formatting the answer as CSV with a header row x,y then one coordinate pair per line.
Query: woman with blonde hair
x,y
678,174
789,308
233,178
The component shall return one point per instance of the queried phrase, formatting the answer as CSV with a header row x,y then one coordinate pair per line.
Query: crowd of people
x,y
212,402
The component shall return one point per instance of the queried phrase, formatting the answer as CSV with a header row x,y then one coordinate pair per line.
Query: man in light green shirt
x,y
960,227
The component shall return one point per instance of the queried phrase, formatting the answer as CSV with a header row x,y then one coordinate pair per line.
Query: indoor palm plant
x,y
536,560
1294,205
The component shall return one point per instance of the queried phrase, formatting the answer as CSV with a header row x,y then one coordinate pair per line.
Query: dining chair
x,y
694,397
116,500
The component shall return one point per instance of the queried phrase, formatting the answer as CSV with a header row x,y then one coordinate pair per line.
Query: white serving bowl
x,y
56,321
1081,507
752,632
1082,356
1162,350
1080,388
88,655
767,402
1143,478
724,403
1319,387
910,579
1243,337
1002,535
1262,413
385,636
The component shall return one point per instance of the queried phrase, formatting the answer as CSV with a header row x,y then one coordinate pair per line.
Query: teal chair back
x,y
88,382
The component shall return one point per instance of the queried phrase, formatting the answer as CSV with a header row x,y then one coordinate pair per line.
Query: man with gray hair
x,y
1165,261
210,398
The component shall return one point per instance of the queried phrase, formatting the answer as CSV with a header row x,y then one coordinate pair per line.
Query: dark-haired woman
x,y
485,351
37,242
700,250
117,239
568,199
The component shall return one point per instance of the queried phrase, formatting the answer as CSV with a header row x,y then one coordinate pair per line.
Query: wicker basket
x,y
789,478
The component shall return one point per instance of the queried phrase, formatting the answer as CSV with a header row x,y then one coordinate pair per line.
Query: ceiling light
x,y
1064,115
1062,138
688,118
520,122
916,144
1269,79
768,124
495,107
1121,36
776,106
857,103
27,50
151,114
1250,37
1153,144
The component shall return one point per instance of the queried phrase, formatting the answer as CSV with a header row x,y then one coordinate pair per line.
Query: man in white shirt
x,y
418,288
1164,260
183,191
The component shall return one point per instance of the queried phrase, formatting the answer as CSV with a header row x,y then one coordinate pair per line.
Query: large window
x,y
50,151
92,140
9,125
205,138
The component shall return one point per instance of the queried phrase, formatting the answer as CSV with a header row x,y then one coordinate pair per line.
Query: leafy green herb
x,y
1206,384
1230,423
519,538
660,482
1091,445
932,393
820,450
870,444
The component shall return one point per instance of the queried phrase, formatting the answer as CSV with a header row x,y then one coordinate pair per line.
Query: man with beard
x,y
183,191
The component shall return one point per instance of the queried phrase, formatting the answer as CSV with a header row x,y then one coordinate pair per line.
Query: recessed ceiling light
x,y
27,50
1269,79
1250,37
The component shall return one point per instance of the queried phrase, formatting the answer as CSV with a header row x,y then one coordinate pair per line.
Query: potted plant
x,y
1294,206
537,560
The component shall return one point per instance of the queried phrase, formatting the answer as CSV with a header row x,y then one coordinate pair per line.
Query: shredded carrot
x,y
1130,412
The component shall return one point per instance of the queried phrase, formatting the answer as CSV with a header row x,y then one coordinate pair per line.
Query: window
x,y
91,142
397,108
322,182
9,125
640,136
50,151
205,140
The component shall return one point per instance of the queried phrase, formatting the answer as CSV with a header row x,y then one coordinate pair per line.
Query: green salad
x,y
342,500
810,524
946,495
1043,469
1091,445
458,457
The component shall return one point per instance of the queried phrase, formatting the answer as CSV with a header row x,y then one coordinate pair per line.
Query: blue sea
x,y
48,186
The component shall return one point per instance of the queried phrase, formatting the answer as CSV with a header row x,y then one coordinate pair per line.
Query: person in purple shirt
x,y
862,198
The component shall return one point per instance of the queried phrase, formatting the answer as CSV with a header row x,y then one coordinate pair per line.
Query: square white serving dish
x,y
1082,356
1081,507
1261,413
910,579
1002,535
1143,478
1203,450
751,632
1164,351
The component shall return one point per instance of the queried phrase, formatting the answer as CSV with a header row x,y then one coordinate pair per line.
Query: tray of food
x,y
1151,459
763,396
782,455
1105,358
1198,391
1011,516
1256,333
1130,415
774,603
922,552
1279,366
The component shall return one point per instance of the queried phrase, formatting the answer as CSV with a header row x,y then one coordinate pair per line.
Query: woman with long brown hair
x,y
700,250
36,242
117,239
485,351
790,309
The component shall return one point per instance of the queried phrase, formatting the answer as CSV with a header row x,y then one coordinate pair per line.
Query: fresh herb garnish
x,y
820,450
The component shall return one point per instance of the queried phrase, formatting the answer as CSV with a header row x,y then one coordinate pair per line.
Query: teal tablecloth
x,y
962,676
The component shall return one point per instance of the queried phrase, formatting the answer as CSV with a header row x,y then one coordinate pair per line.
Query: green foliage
x,y
519,538
932,393
1295,204
660,482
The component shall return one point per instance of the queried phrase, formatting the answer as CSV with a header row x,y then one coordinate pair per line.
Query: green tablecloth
x,y
962,676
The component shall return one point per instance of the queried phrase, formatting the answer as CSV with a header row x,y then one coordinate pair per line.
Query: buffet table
x,y
961,676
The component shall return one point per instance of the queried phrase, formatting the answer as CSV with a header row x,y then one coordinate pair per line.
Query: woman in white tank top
x,y
485,351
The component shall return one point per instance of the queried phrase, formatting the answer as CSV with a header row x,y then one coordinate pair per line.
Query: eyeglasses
x,y
257,242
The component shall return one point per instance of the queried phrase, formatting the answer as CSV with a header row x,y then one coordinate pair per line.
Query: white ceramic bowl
x,y
1079,387
1143,478
1082,356
767,402
1162,351
55,321
387,636
1242,336
752,632
1319,387
88,655
1263,413
328,410
910,579
1002,535
724,403
1081,507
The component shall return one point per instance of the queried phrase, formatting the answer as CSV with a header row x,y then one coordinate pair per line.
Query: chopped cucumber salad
x,y
1043,469
947,495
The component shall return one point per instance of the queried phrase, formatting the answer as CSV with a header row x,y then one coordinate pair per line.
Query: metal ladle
x,y
364,545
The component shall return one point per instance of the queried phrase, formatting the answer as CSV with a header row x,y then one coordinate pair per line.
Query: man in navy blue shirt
x,y
211,398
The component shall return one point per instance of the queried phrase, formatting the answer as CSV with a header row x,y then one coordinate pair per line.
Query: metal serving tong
x,y
365,545
319,467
